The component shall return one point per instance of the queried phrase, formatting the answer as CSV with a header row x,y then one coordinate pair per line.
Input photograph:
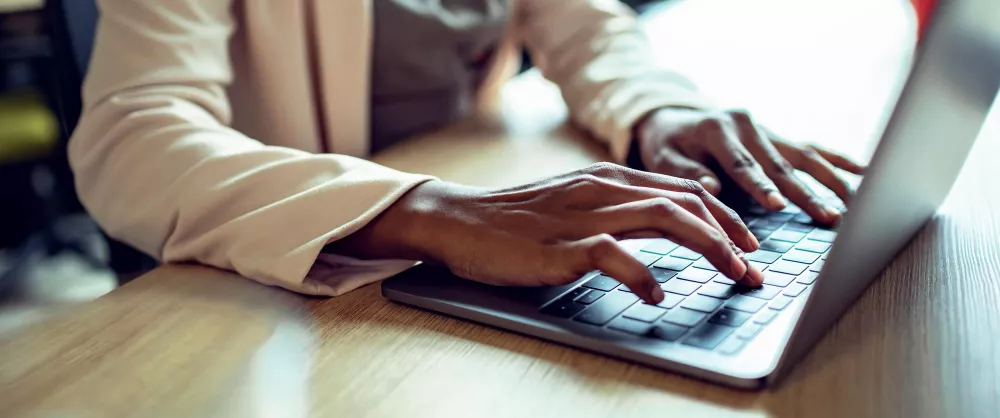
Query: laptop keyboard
x,y
702,308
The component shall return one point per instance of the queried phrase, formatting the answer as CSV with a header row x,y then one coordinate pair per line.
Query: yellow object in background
x,y
27,127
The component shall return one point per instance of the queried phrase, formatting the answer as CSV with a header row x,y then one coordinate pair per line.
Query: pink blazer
x,y
232,132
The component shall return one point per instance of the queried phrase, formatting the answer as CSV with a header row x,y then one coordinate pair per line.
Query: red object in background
x,y
923,9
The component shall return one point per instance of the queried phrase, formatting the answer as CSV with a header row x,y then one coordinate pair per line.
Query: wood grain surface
x,y
189,341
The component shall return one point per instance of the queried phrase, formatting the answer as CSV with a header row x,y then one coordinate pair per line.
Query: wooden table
x,y
188,341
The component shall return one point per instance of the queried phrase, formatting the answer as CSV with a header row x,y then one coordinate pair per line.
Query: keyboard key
x,y
702,303
685,253
685,317
704,265
745,303
801,256
645,313
798,227
776,246
808,277
758,265
764,256
748,331
774,278
630,326
590,297
573,294
794,290
697,275
758,210
660,246
732,346
667,332
788,267
662,275
680,287
563,308
789,236
670,300
606,308
802,218
813,246
761,233
708,336
729,317
780,217
767,292
723,279
765,223
780,302
765,317
718,290
816,267
672,263
602,282
646,258
822,235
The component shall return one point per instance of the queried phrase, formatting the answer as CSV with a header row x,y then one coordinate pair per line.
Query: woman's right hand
x,y
553,231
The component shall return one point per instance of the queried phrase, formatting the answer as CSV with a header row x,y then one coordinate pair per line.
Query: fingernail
x,y
710,184
776,200
831,212
739,267
657,294
754,277
754,243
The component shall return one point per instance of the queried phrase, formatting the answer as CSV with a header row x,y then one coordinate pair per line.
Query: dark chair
x,y
72,26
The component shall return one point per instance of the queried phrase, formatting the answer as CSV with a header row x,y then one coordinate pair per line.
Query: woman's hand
x,y
554,231
680,142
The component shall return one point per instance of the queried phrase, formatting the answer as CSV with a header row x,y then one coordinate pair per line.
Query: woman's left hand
x,y
680,142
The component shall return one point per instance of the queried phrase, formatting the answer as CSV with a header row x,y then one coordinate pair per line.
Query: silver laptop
x,y
749,338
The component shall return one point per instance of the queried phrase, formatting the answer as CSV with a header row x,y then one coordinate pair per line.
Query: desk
x,y
188,341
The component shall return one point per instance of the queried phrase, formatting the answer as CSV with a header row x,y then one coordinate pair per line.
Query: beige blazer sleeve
x,y
597,55
159,167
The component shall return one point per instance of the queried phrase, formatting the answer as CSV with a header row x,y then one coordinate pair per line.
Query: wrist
x,y
405,230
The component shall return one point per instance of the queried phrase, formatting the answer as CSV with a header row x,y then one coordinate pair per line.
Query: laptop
x,y
709,328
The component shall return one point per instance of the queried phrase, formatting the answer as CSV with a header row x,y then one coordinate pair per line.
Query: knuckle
x,y
601,169
741,116
691,202
810,153
744,162
733,216
662,207
692,187
602,246
585,180
710,126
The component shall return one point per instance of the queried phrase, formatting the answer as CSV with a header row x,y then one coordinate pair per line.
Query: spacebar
x,y
607,308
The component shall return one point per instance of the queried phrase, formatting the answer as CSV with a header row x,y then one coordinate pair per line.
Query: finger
x,y
673,163
677,224
820,169
606,185
740,164
839,161
602,252
697,201
781,171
